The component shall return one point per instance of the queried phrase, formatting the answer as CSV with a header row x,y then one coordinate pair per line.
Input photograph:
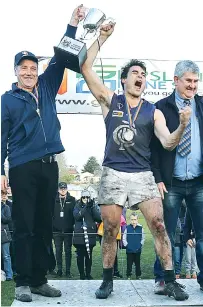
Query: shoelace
x,y
179,286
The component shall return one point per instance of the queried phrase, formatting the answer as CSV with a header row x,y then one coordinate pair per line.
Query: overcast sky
x,y
169,29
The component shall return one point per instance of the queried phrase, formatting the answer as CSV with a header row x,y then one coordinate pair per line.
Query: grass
x,y
147,262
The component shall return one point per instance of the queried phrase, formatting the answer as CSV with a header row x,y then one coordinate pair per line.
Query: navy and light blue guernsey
x,y
128,156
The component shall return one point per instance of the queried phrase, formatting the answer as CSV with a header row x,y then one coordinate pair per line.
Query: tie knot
x,y
187,102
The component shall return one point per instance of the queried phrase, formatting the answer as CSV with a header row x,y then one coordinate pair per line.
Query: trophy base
x,y
71,53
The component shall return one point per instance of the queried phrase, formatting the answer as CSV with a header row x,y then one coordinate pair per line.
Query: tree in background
x,y
92,166
63,170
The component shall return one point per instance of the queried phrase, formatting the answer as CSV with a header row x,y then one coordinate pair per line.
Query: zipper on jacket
x,y
45,138
23,98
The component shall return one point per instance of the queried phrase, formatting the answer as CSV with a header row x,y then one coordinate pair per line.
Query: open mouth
x,y
138,84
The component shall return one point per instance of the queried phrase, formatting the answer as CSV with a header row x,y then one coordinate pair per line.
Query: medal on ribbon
x,y
131,131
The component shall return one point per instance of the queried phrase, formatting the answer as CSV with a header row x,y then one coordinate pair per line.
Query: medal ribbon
x,y
62,204
132,120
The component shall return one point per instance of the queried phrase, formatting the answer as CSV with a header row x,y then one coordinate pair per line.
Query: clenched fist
x,y
107,29
185,115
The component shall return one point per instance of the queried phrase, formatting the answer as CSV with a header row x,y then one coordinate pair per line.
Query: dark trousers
x,y
192,192
59,240
84,261
34,187
133,258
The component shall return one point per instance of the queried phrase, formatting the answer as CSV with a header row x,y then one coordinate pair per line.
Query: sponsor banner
x,y
74,96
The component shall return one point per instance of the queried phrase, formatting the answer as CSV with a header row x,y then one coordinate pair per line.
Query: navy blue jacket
x,y
27,136
133,238
163,161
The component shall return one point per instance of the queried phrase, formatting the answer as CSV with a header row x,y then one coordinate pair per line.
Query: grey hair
x,y
185,66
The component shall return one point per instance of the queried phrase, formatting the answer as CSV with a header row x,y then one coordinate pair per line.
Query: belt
x,y
47,159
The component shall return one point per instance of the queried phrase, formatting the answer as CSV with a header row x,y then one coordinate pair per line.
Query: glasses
x,y
87,197
3,193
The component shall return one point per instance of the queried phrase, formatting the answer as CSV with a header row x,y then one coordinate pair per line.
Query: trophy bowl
x,y
73,52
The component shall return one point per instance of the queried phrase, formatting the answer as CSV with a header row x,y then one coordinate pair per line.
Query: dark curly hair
x,y
125,69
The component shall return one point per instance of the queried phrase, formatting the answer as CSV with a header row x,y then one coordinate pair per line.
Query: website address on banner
x,y
156,93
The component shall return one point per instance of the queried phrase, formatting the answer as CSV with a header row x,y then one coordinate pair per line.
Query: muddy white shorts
x,y
118,187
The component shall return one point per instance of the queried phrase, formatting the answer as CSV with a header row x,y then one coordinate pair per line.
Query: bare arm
x,y
170,140
101,92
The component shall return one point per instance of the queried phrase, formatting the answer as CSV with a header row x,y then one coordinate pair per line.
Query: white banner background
x,y
74,96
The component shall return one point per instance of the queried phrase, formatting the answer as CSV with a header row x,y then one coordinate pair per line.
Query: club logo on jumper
x,y
123,136
119,105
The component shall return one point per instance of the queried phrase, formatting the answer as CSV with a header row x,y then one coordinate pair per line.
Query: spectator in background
x,y
179,241
6,236
178,249
9,192
10,225
190,254
133,240
86,213
63,223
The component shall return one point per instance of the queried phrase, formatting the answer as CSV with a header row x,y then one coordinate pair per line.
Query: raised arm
x,y
101,92
170,140
53,74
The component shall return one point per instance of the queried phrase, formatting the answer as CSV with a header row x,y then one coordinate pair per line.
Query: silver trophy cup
x,y
92,22
73,52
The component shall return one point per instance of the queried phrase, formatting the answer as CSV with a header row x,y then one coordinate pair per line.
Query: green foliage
x,y
63,171
7,293
91,166
68,178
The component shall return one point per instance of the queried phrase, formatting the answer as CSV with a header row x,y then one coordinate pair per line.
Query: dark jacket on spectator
x,y
10,224
65,223
5,220
91,214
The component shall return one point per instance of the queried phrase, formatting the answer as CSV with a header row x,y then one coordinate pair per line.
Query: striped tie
x,y
184,147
